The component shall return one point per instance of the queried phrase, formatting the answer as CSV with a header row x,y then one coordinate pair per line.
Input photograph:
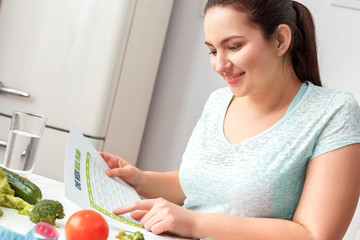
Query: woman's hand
x,y
146,183
160,216
122,169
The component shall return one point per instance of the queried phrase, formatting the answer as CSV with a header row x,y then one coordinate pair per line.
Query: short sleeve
x,y
341,124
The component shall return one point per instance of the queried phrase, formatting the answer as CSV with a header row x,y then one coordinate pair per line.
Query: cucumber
x,y
23,188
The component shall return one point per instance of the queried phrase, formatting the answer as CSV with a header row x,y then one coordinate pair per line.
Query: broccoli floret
x,y
47,211
135,236
1,212
138,236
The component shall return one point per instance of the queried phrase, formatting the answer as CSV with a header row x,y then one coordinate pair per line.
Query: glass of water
x,y
26,130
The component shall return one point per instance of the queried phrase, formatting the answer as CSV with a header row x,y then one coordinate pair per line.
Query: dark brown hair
x,y
268,15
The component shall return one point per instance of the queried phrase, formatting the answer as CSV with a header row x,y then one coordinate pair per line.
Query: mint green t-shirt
x,y
263,176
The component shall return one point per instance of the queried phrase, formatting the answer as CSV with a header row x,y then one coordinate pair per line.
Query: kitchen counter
x,y
51,189
55,190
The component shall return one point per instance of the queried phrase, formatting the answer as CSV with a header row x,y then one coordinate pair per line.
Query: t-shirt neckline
x,y
299,97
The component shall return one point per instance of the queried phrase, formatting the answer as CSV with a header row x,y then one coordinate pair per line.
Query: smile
x,y
234,78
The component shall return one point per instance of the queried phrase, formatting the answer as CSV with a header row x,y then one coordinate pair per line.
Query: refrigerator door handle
x,y
3,144
4,89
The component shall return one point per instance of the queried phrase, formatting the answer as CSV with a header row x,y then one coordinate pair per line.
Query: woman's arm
x,y
325,210
331,193
326,207
146,183
162,185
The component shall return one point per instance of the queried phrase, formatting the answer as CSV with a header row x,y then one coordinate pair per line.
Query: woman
x,y
274,155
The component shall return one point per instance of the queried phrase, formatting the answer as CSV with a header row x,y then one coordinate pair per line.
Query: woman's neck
x,y
273,97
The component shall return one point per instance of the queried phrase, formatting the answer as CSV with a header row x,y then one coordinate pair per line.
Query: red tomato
x,y
86,225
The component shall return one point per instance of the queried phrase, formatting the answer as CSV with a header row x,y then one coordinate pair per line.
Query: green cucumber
x,y
23,188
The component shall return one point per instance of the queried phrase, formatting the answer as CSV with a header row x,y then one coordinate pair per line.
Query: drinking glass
x,y
26,129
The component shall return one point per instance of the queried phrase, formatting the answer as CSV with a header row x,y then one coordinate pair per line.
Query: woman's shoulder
x,y
218,100
219,96
223,92
332,97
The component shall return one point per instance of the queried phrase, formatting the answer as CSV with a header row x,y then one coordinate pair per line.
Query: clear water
x,y
21,152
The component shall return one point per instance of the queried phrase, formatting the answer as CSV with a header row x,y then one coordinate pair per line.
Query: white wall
x,y
183,84
338,30
185,77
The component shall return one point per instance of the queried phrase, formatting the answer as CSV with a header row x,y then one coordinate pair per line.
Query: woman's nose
x,y
222,63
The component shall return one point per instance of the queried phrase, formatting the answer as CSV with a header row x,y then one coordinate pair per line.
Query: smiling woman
x,y
274,153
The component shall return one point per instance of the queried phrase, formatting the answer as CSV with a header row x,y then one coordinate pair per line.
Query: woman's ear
x,y
283,38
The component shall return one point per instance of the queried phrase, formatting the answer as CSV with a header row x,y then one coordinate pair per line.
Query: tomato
x,y
86,225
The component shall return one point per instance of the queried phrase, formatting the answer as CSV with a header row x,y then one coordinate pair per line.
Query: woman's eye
x,y
235,47
212,52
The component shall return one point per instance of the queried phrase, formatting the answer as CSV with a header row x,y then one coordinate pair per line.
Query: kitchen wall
x,y
185,78
183,84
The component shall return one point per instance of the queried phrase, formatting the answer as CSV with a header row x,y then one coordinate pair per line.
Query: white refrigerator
x,y
91,63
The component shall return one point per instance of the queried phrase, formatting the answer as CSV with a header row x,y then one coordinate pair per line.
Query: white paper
x,y
87,185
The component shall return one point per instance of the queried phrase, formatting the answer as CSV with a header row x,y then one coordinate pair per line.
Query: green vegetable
x,y
1,212
11,201
47,211
24,188
135,236
8,199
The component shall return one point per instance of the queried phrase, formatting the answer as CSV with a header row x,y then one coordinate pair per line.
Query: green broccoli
x,y
47,211
135,236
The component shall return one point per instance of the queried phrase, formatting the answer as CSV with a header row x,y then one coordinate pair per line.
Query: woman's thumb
x,y
116,172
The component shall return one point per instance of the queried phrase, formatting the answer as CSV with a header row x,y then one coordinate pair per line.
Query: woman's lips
x,y
234,78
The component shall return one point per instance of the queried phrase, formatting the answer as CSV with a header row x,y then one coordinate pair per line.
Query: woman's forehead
x,y
223,21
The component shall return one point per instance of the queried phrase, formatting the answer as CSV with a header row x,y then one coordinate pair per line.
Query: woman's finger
x,y
150,219
138,215
146,204
161,226
156,214
109,159
115,172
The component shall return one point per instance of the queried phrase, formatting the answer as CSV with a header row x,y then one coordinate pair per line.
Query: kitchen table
x,y
51,189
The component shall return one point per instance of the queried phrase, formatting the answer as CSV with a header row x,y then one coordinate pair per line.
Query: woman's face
x,y
239,52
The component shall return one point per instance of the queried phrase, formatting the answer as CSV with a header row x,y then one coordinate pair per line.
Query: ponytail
x,y
304,50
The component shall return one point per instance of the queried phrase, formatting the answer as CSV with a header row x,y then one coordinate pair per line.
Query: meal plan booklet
x,y
87,185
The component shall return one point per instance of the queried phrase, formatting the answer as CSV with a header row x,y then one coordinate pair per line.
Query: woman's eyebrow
x,y
225,40
208,44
